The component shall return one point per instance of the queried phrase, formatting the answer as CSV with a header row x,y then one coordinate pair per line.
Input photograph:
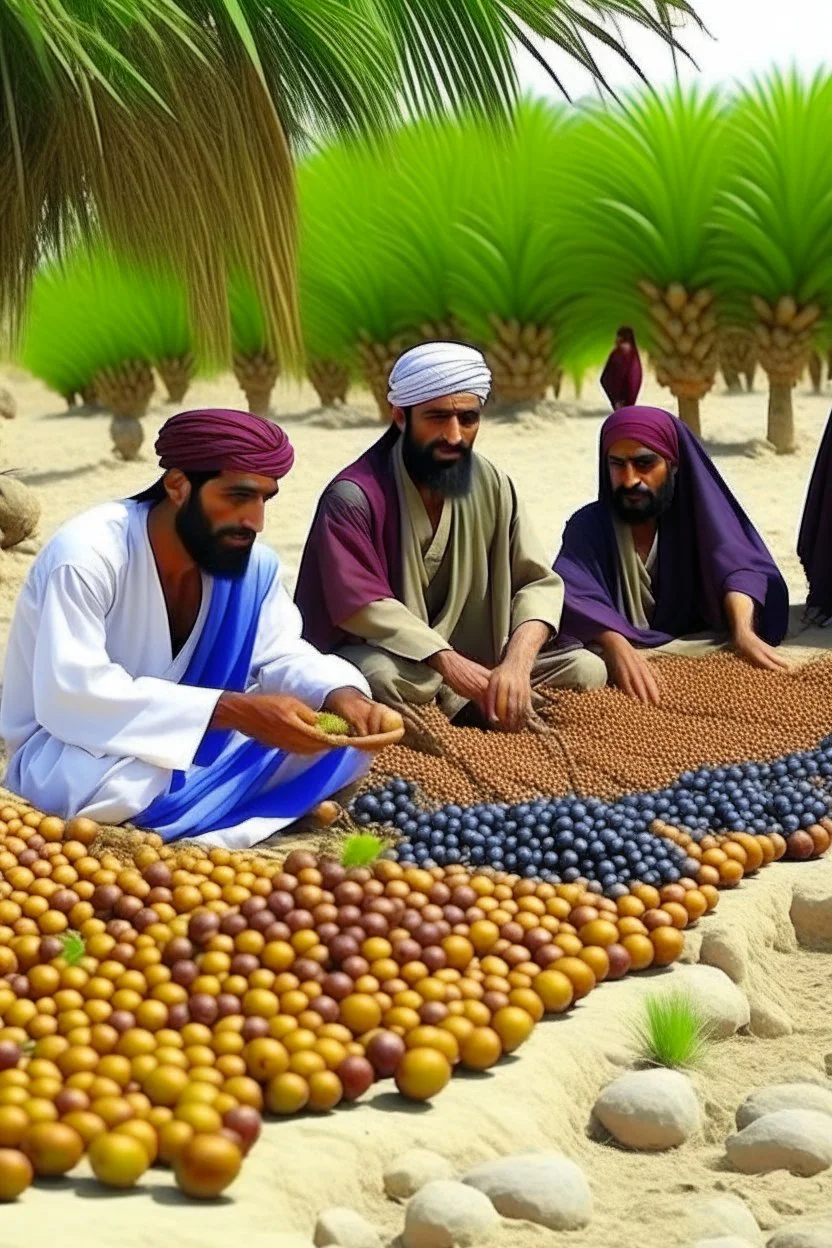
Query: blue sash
x,y
224,785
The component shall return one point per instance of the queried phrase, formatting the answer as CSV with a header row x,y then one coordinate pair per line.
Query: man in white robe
x,y
155,670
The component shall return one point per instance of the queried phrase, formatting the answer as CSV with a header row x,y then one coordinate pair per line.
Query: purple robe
x,y
622,377
352,558
707,547
814,543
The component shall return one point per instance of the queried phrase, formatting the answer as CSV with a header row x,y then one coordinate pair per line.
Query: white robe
x,y
92,713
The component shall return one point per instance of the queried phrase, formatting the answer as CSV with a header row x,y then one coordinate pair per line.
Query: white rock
x,y
693,947
722,1004
726,948
545,1188
404,1176
725,1241
340,1227
798,1140
803,1234
649,1109
446,1214
811,913
768,1021
784,1096
8,404
725,1215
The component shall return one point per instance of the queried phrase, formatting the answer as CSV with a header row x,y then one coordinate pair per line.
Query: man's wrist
x,y
344,696
439,660
228,713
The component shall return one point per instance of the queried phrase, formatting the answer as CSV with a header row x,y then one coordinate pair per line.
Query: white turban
x,y
435,369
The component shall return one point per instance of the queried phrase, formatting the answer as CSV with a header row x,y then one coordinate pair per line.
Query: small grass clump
x,y
362,850
672,1031
332,725
74,948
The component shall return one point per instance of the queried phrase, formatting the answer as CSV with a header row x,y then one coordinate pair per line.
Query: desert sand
x,y
542,1098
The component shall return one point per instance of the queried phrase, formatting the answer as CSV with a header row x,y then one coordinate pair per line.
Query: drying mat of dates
x,y
714,711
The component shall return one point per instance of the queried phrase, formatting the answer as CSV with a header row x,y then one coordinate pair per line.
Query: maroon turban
x,y
219,439
651,426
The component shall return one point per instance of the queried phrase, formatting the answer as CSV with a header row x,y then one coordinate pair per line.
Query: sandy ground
x,y
542,1098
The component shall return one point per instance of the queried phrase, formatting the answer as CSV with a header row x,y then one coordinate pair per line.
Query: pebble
x,y
726,948
804,1234
768,1021
721,1003
340,1227
649,1109
447,1214
405,1175
544,1188
724,1215
811,913
778,1096
8,404
798,1140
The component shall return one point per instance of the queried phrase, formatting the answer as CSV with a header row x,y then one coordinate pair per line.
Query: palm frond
x,y
773,222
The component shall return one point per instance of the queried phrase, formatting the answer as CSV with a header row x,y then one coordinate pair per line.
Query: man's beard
x,y
637,505
451,477
205,545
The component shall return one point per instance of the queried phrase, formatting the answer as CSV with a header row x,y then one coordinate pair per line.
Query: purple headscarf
x,y
622,375
352,555
707,547
221,439
813,543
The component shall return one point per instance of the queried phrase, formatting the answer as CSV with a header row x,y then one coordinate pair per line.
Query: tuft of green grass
x,y
332,725
672,1030
361,850
74,948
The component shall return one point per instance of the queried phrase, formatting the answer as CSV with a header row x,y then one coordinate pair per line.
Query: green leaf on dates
x,y
361,851
74,948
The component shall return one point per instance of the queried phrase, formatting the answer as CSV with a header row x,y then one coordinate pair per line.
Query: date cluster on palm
x,y
685,338
257,374
176,373
737,355
521,359
784,333
126,390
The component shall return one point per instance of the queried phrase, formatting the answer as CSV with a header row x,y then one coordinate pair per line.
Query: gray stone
x,y
798,1140
447,1214
340,1227
723,1005
649,1109
726,1215
808,1233
404,1176
768,1021
726,948
544,1188
784,1096
811,913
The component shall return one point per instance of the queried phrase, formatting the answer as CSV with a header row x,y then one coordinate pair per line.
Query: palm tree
x,y
639,186
737,356
774,230
505,264
170,125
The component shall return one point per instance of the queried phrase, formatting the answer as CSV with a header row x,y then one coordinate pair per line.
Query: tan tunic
x,y
637,602
469,585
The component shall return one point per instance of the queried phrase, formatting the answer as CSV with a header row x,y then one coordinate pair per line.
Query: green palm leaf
x,y
168,124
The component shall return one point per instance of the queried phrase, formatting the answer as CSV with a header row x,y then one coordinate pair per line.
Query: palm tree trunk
x,y
781,417
816,371
176,372
750,374
127,433
689,414
732,380
257,375
330,379
521,362
126,391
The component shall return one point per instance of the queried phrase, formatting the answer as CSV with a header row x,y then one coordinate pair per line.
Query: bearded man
x,y
155,669
666,559
421,567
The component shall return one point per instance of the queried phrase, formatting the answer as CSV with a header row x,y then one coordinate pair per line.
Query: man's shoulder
x,y
96,538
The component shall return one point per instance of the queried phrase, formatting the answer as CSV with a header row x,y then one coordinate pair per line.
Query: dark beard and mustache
x,y
205,545
449,478
635,506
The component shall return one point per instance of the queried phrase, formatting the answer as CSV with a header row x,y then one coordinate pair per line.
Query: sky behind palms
x,y
748,36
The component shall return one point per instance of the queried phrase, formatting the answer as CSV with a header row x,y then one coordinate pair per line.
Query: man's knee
x,y
393,680
590,671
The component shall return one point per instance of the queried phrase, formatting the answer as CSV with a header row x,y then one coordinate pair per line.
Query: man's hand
x,y
758,653
467,678
508,703
629,669
275,719
368,719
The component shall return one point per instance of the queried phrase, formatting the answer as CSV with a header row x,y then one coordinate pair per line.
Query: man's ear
x,y
177,487
399,418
